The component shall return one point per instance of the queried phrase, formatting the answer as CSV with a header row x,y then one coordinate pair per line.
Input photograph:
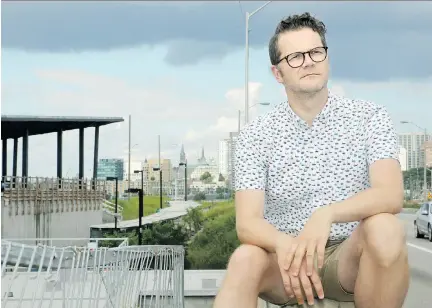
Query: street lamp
x,y
158,168
140,210
142,178
247,60
185,178
424,157
114,178
239,112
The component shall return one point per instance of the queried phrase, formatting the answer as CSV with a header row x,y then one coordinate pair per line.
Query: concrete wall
x,y
49,219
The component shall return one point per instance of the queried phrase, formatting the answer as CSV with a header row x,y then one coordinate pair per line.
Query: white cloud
x,y
158,109
155,108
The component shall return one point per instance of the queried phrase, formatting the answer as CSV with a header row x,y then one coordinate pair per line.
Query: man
x,y
318,186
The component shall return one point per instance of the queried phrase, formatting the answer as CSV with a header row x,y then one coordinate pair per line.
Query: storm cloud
x,y
380,41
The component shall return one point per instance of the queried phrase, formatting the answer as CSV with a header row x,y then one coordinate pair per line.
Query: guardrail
x,y
70,241
109,206
52,189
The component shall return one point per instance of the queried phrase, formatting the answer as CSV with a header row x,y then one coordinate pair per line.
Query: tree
x,y
199,196
211,248
221,178
206,177
413,180
165,233
193,220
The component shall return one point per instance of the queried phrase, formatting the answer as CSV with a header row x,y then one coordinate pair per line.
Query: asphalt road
x,y
420,260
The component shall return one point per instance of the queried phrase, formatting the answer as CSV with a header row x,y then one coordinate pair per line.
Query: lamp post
x,y
424,158
142,178
239,112
185,178
140,210
247,60
114,178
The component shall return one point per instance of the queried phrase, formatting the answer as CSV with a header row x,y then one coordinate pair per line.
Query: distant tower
x,y
182,154
202,160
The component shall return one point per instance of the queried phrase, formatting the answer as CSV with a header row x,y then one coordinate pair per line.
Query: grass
x,y
217,209
151,205
411,205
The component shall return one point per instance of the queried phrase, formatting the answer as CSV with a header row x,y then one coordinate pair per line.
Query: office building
x,y
110,167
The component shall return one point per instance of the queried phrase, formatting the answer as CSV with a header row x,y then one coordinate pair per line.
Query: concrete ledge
x,y
325,303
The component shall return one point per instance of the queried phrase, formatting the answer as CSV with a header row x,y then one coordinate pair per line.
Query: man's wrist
x,y
328,211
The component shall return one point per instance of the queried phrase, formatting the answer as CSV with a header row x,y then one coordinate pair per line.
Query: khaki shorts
x,y
329,278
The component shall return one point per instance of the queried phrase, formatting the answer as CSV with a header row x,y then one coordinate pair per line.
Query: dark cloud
x,y
377,40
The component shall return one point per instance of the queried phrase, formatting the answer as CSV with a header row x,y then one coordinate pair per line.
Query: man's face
x,y
309,76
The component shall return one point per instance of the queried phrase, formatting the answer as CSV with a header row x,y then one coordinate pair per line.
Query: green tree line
x,y
207,232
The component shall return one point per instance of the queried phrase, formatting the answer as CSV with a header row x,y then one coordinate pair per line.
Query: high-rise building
x,y
166,170
110,167
135,165
223,157
428,146
413,143
403,158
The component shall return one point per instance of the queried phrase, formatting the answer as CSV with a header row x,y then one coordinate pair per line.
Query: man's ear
x,y
277,73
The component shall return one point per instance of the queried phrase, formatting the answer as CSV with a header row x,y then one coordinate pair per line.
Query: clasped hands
x,y
296,257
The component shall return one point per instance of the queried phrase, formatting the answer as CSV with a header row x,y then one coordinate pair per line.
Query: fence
x,y
121,277
52,189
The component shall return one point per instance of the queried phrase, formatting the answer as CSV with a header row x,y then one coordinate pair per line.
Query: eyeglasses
x,y
296,59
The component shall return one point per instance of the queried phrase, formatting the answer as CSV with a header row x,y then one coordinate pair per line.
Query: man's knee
x,y
248,259
384,238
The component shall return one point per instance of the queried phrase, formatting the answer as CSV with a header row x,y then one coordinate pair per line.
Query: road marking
x,y
420,248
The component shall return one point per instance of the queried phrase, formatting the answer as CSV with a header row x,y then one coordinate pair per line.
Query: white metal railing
x,y
91,243
110,207
126,276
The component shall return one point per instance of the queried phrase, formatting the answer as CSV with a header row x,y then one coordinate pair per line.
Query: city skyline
x,y
186,83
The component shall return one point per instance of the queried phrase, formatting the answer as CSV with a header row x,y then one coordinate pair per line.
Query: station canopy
x,y
16,126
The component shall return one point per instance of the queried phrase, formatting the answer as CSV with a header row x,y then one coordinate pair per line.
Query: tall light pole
x,y
185,178
249,15
239,113
424,158
129,156
140,210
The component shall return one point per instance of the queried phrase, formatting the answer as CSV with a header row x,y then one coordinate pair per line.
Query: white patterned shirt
x,y
302,167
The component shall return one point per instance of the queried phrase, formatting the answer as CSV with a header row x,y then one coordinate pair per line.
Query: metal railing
x,y
110,207
70,241
51,189
125,276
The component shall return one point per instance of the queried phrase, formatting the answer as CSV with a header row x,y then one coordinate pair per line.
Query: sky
x,y
178,69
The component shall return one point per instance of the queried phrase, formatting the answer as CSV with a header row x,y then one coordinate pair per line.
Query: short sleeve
x,y
250,170
382,141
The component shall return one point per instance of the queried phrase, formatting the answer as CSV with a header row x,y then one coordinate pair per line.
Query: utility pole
x,y
160,173
129,159
248,16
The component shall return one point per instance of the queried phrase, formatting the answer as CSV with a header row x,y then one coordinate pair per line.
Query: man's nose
x,y
308,60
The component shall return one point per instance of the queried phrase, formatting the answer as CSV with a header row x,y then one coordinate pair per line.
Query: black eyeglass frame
x,y
304,56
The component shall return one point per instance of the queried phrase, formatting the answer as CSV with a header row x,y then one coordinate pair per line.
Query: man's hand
x,y
294,284
307,283
313,238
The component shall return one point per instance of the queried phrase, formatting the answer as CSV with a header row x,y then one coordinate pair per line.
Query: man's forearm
x,y
260,233
367,203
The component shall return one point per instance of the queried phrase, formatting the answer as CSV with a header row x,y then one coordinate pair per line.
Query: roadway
x,y
420,260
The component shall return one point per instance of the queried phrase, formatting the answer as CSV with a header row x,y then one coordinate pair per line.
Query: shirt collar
x,y
322,116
